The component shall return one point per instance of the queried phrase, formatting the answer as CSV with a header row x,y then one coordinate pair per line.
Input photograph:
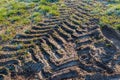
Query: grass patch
x,y
108,12
22,12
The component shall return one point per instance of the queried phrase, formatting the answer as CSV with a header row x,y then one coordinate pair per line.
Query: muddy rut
x,y
71,46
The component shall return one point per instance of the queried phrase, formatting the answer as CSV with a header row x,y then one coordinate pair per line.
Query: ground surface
x,y
72,46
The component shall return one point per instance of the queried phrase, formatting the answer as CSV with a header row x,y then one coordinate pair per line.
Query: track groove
x,y
59,48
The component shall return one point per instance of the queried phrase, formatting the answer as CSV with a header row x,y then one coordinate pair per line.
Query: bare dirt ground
x,y
69,47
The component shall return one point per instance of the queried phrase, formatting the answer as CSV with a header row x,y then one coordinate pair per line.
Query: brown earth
x,y
69,47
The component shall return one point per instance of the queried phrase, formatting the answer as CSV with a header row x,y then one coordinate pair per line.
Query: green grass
x,y
112,14
113,9
18,13
52,10
108,13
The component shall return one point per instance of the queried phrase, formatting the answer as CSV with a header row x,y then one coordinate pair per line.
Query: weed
x,y
1,47
37,19
27,31
54,12
63,5
108,45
